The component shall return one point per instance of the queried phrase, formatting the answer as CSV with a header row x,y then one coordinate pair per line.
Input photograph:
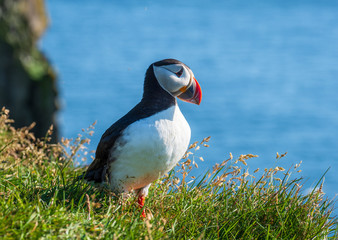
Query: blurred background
x,y
268,72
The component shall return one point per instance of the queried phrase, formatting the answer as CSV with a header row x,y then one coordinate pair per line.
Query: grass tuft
x,y
41,197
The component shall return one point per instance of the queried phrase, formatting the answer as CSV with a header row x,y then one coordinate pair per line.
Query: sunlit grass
x,y
41,197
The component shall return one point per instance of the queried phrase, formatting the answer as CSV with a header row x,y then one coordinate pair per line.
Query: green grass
x,y
40,197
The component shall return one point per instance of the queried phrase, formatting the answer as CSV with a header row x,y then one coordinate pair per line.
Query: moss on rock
x,y
27,79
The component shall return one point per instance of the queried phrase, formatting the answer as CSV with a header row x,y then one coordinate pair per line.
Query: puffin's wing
x,y
97,171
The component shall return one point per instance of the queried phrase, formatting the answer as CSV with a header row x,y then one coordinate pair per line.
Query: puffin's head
x,y
178,80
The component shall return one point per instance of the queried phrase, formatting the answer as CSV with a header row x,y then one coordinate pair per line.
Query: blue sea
x,y
268,72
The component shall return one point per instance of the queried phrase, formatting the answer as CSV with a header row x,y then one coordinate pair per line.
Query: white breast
x,y
149,148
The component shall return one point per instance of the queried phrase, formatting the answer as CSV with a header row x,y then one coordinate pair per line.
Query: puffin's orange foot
x,y
140,201
143,214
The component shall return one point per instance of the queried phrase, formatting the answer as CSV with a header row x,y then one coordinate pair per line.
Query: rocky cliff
x,y
27,80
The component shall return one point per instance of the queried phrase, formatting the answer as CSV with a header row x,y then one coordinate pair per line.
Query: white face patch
x,y
173,77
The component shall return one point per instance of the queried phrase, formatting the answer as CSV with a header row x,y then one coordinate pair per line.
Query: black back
x,y
155,99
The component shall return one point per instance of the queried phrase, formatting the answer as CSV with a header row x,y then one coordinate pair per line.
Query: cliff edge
x,y
27,79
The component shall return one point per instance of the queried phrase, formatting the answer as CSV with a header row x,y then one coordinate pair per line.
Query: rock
x,y
27,79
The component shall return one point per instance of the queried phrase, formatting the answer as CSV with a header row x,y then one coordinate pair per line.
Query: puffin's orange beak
x,y
192,94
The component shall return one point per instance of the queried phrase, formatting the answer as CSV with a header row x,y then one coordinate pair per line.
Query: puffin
x,y
152,137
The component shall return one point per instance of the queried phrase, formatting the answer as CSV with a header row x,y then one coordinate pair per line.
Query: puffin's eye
x,y
179,73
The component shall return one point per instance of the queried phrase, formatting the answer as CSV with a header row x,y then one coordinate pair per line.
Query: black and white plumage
x,y
152,137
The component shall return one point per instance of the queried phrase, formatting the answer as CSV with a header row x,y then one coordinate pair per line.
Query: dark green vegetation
x,y
41,198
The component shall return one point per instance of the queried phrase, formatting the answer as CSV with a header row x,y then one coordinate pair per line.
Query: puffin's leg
x,y
141,197
140,200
